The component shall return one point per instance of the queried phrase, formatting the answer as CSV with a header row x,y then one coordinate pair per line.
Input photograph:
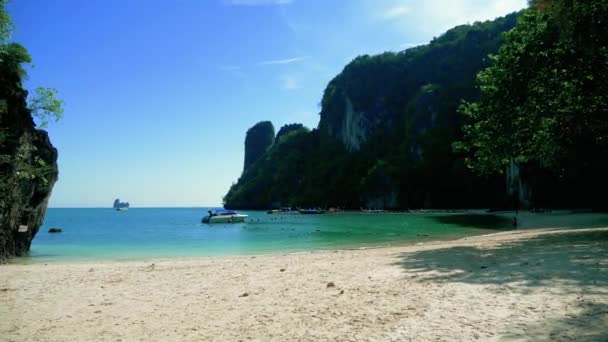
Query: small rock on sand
x,y
331,284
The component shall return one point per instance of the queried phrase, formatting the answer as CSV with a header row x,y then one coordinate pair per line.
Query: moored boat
x,y
284,210
373,211
311,211
224,216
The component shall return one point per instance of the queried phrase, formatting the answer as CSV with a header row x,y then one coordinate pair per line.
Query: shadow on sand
x,y
532,262
587,325
575,262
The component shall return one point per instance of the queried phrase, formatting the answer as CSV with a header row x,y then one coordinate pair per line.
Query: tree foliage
x,y
20,163
545,95
544,101
46,106
6,23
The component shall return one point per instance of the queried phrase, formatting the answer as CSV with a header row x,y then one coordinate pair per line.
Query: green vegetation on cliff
x,y
385,134
258,140
544,104
28,161
439,125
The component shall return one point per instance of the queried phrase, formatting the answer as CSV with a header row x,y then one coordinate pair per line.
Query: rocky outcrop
x,y
28,173
118,204
28,160
385,135
286,129
352,127
259,138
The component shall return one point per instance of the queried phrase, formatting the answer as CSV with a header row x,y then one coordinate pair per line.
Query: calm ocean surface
x,y
101,234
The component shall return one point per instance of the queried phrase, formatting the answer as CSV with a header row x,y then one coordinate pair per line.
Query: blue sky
x,y
158,94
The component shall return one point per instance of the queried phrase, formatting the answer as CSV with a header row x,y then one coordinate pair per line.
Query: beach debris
x,y
91,270
244,295
331,284
342,292
55,230
97,311
282,270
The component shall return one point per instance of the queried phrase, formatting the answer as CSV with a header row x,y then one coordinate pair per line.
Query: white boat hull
x,y
225,218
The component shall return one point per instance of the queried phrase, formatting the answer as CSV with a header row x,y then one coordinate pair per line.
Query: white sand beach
x,y
537,285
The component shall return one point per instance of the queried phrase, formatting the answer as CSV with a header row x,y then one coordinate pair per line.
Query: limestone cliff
x,y
385,135
373,94
257,141
28,171
289,128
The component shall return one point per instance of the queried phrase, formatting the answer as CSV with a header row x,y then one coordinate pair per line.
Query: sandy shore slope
x,y
527,285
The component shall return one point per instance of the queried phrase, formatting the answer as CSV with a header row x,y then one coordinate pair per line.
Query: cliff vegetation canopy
x,y
439,125
385,133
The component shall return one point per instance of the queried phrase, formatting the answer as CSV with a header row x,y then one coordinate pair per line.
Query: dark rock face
x,y
259,138
28,171
286,129
25,201
118,204
373,93
385,135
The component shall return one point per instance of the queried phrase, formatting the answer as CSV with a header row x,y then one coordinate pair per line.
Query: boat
x,y
311,211
284,210
122,209
373,211
224,216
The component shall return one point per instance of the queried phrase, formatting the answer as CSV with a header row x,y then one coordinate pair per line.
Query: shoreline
x,y
397,244
545,284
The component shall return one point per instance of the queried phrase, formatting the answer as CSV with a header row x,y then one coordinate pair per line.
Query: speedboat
x,y
224,216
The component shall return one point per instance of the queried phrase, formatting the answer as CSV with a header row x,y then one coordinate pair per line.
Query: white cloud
x,y
409,45
457,12
289,82
434,17
284,61
396,12
257,2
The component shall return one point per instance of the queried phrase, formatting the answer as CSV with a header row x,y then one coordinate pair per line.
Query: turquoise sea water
x,y
99,234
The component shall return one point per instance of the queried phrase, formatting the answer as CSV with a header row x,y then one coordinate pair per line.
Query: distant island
x,y
118,205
